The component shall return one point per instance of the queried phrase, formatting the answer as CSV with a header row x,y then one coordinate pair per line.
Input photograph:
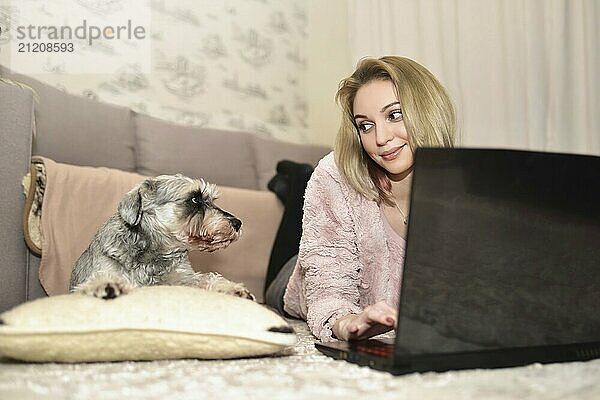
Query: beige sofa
x,y
74,130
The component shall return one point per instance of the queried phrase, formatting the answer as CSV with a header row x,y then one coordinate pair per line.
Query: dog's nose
x,y
236,223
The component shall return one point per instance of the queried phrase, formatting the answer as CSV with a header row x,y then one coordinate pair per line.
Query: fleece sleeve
x,y
328,255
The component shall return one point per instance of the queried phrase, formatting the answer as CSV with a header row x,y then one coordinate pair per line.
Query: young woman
x,y
346,278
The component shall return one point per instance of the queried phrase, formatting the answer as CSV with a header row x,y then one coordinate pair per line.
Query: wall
x,y
329,61
241,65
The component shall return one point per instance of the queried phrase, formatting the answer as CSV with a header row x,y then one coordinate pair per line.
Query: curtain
x,y
523,73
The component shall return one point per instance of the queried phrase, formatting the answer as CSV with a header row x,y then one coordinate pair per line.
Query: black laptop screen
x,y
503,251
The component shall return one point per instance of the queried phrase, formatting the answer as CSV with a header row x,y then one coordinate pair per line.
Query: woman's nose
x,y
383,134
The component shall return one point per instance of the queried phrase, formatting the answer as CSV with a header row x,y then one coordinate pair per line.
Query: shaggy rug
x,y
300,372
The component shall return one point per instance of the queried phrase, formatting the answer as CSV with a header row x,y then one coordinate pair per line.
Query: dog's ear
x,y
130,207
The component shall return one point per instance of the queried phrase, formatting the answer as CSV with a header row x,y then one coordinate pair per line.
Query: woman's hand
x,y
373,320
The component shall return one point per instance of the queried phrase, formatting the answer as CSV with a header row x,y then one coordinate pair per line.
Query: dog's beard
x,y
209,233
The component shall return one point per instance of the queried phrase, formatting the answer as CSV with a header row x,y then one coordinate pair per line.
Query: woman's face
x,y
378,116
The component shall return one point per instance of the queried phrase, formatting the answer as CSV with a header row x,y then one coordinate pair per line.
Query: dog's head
x,y
179,210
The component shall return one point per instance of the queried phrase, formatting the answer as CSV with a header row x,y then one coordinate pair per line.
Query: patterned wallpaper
x,y
227,64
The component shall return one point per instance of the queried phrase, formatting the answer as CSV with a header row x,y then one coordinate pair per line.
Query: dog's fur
x,y
146,241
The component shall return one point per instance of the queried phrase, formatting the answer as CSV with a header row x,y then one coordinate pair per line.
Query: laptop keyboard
x,y
377,349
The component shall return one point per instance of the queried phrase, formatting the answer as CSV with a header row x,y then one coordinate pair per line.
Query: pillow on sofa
x,y
220,157
94,133
149,323
268,152
289,184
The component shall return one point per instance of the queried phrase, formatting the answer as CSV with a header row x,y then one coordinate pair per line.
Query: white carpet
x,y
299,373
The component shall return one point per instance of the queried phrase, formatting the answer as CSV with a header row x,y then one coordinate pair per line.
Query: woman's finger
x,y
384,317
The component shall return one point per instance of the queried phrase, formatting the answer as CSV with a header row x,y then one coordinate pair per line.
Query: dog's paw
x,y
110,291
106,290
240,290
215,282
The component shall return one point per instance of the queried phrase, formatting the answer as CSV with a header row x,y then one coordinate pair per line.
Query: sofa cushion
x,y
269,152
150,323
221,157
75,130
16,110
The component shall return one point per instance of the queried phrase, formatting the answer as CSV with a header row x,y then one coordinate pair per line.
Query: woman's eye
x,y
365,126
395,115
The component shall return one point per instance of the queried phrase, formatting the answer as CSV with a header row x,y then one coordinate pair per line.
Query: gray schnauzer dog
x,y
146,242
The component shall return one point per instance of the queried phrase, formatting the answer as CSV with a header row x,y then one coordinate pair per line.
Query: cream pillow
x,y
149,323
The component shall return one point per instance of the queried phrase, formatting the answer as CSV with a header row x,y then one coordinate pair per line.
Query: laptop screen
x,y
503,251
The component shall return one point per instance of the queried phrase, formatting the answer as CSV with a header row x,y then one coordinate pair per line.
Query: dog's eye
x,y
196,200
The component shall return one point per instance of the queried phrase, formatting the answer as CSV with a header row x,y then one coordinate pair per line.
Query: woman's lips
x,y
392,154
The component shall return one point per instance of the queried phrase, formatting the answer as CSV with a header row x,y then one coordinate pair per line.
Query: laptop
x,y
502,264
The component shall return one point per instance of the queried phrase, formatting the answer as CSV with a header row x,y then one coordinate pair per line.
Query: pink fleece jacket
x,y
349,256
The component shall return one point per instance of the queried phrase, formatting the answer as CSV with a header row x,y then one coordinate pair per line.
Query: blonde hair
x,y
427,110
